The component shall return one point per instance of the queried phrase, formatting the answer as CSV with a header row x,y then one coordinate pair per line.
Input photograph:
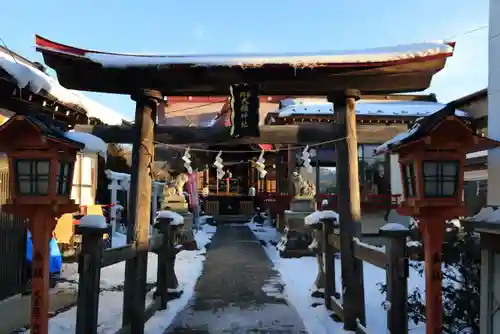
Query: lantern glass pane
x,y
24,167
32,177
449,188
431,187
24,186
440,178
43,167
42,186
63,178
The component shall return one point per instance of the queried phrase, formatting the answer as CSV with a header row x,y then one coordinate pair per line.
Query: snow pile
x,y
366,245
298,60
94,221
188,267
487,214
315,217
37,81
394,227
298,289
177,219
92,143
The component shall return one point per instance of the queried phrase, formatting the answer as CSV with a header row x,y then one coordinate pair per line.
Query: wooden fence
x,y
278,202
393,259
94,257
12,246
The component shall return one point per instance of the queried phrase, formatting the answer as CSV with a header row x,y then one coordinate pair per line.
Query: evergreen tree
x,y
461,279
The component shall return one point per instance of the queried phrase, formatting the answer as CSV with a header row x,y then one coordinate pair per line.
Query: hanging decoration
x,y
219,166
187,161
245,103
306,160
260,165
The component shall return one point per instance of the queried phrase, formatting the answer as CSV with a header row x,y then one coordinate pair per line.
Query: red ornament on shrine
x,y
41,161
431,157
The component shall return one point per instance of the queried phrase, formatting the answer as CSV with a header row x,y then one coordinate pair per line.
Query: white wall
x,y
494,102
396,183
85,179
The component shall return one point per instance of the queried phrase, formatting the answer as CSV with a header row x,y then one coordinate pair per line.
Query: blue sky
x,y
216,26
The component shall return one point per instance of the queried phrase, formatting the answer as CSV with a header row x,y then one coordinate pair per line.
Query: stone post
x,y
329,225
163,227
397,278
89,268
489,321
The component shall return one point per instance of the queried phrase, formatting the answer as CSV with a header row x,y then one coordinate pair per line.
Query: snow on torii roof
x,y
389,69
35,80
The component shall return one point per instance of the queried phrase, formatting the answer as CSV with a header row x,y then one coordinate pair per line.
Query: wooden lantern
x,y
41,161
431,156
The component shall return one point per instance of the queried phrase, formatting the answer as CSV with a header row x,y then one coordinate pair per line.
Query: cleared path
x,y
235,292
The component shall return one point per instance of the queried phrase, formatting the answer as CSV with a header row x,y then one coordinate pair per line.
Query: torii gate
x,y
341,76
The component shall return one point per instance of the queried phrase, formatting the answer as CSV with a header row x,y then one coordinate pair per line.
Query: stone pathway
x,y
235,292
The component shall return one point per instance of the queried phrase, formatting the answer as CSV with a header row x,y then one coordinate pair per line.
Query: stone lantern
x,y
41,161
431,157
487,224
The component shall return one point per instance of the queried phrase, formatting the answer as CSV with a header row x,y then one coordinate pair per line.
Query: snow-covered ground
x,y
188,267
298,289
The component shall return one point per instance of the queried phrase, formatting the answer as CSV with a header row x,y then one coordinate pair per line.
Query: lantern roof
x,y
424,126
52,130
403,68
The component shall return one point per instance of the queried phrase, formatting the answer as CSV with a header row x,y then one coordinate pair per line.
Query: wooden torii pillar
x,y
147,104
348,204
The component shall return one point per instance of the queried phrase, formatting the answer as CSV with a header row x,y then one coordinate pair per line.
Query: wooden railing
x,y
393,259
278,202
93,258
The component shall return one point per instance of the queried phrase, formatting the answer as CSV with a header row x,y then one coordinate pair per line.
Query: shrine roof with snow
x,y
392,108
405,68
30,76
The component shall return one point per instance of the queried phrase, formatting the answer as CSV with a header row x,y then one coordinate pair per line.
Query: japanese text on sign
x,y
244,96
244,110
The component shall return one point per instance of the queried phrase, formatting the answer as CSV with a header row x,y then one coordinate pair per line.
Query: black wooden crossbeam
x,y
182,135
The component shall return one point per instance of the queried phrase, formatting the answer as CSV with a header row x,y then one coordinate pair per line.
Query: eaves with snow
x,y
36,81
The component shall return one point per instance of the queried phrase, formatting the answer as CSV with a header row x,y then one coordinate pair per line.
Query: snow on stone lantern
x,y
431,157
41,162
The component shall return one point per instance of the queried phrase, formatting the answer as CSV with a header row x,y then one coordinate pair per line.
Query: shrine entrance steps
x,y
230,296
231,219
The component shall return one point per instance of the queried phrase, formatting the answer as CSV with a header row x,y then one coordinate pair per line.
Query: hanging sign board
x,y
244,99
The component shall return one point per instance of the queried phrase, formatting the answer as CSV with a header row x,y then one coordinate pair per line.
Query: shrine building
x,y
379,118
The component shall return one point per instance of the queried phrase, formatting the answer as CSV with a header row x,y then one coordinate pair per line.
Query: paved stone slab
x,y
231,297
